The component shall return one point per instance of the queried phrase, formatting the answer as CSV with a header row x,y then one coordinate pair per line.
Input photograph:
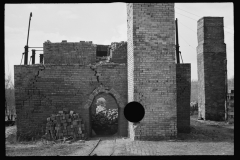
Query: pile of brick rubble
x,y
65,124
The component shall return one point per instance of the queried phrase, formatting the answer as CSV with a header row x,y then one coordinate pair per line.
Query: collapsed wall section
x,y
42,90
183,72
119,52
152,69
69,52
212,67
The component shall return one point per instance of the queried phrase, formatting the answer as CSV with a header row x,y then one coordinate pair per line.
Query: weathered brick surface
x,y
183,72
69,53
143,70
44,90
152,68
119,52
211,56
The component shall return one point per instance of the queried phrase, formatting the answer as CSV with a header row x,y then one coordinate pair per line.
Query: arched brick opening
x,y
122,122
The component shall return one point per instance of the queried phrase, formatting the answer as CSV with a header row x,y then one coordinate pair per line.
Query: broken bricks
x,y
65,124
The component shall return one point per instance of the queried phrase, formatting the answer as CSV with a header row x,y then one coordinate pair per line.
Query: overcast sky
x,y
102,23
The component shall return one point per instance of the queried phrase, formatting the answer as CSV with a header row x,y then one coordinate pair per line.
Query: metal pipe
x,y
177,46
26,47
26,55
29,27
33,56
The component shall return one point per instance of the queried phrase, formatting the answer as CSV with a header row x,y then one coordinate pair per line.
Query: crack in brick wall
x,y
57,87
142,69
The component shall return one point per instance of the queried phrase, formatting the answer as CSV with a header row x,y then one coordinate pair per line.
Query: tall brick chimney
x,y
152,69
211,62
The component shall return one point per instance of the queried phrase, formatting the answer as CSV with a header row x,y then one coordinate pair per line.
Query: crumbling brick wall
x,y
69,53
119,52
211,56
42,90
183,72
152,68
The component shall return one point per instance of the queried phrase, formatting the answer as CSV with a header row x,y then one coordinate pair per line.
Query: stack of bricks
x,y
65,124
119,52
69,53
212,66
152,69
183,72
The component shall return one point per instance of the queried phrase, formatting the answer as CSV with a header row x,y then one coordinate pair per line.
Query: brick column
x,y
183,97
152,69
211,56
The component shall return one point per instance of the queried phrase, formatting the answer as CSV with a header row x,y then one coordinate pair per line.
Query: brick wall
x,y
211,56
152,68
44,90
69,53
183,72
119,52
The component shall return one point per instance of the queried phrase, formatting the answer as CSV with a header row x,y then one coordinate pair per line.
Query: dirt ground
x,y
206,137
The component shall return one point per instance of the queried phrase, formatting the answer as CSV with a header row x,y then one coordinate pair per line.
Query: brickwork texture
x,y
211,56
183,72
42,90
69,53
152,69
143,69
119,52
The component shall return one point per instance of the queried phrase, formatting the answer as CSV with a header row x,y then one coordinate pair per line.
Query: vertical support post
x,y
26,47
26,55
177,46
41,58
29,26
33,56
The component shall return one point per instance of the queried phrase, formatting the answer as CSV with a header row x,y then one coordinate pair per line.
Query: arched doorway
x,y
122,122
104,115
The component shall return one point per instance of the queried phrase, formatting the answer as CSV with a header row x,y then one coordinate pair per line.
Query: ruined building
x,y
143,69
212,68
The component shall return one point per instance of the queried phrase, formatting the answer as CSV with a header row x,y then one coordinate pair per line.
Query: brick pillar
x,y
183,97
211,56
152,69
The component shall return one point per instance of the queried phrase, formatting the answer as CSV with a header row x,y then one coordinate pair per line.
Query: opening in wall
x,y
104,115
102,50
